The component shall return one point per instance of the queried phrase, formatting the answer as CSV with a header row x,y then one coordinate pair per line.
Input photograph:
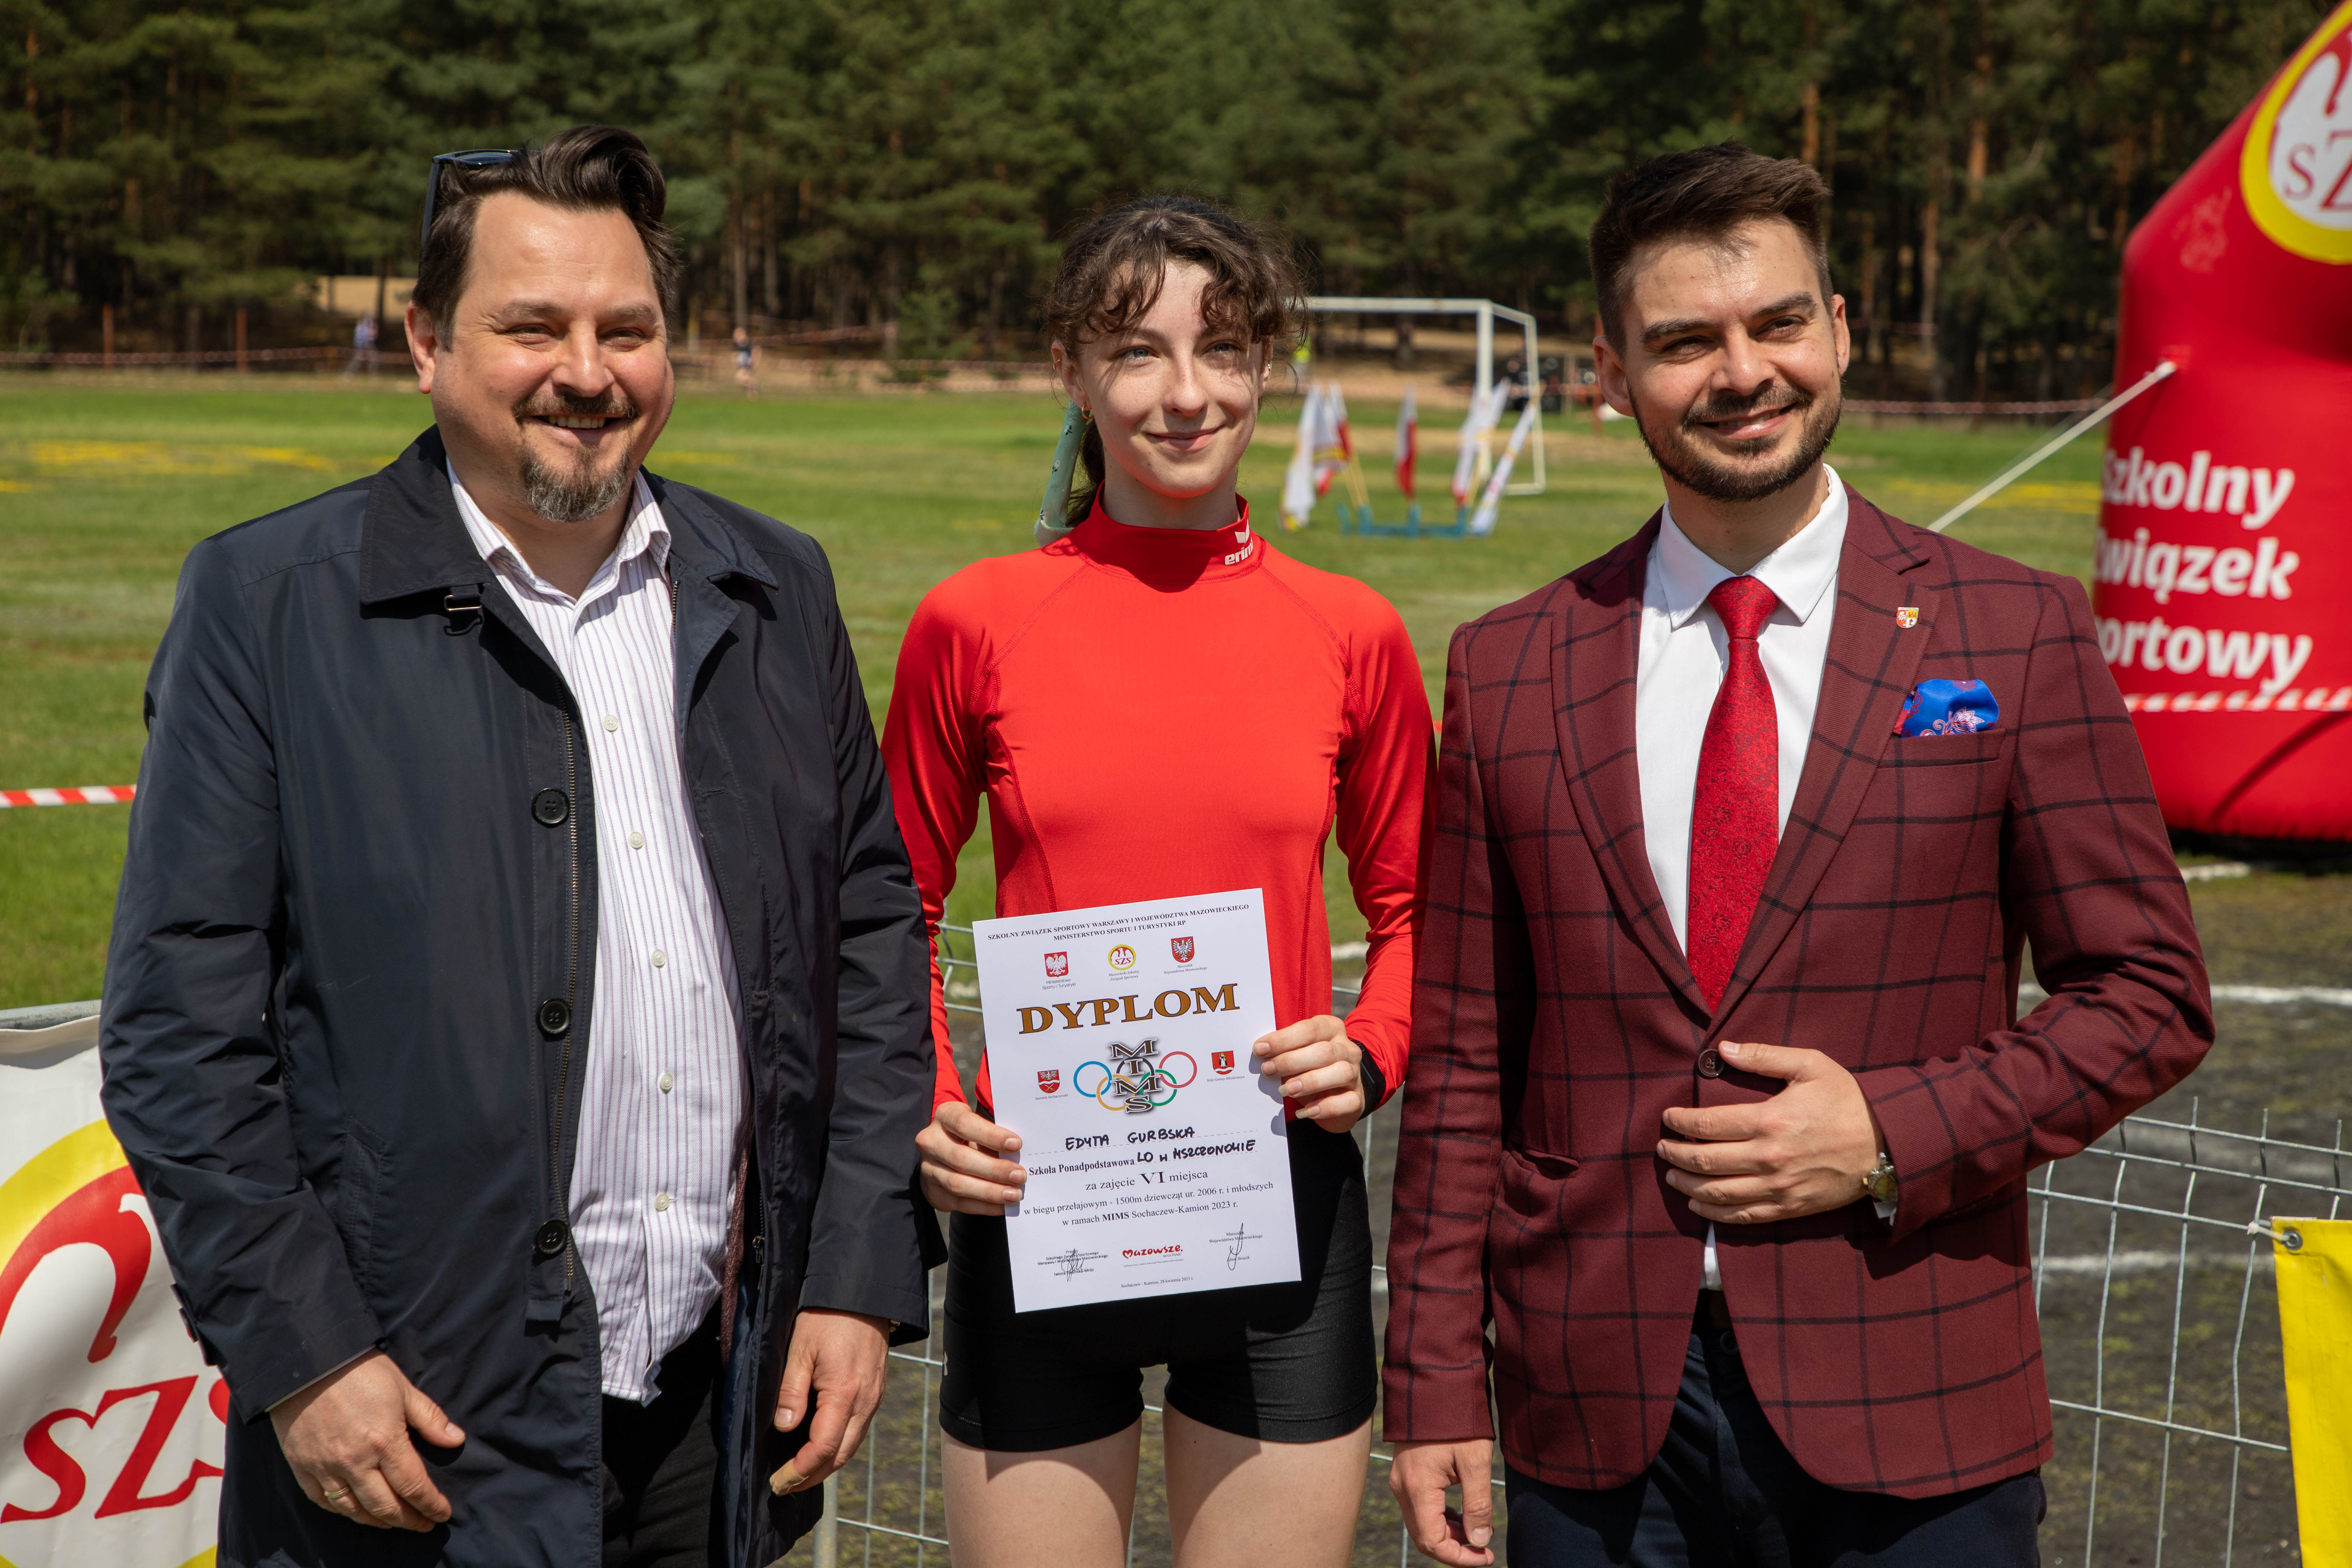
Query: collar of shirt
x,y
1798,573
646,532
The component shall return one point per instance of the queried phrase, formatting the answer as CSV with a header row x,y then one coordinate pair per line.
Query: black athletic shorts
x,y
1285,1363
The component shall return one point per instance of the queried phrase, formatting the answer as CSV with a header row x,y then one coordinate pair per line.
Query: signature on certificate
x,y
1238,1240
1073,1263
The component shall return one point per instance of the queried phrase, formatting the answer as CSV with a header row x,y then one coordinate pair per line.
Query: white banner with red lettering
x,y
111,1424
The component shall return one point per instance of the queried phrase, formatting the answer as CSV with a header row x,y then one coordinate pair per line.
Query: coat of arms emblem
x,y
1221,1060
1049,1078
1058,964
1182,946
1908,617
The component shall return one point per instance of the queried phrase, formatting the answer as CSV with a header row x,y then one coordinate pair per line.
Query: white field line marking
x,y
2147,1260
2219,871
2259,996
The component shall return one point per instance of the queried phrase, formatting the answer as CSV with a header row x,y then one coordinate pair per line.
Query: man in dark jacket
x,y
515,1002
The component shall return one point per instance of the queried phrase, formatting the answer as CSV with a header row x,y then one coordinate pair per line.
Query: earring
x,y
1086,413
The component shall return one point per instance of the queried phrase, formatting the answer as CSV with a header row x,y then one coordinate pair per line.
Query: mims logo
x,y
1136,1079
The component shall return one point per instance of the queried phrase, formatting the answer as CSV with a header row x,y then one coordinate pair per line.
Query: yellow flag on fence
x,y
2314,1295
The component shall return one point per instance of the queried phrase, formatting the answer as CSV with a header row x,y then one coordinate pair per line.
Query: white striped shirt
x,y
662,1102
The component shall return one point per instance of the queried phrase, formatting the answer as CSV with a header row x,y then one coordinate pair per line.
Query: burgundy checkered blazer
x,y
1555,1020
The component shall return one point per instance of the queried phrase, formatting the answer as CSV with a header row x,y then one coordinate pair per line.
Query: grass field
x,y
104,487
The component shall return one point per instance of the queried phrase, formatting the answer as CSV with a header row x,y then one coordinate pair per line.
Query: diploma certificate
x,y
1118,1047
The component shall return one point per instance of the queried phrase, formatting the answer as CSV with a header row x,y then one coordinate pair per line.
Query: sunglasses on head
x,y
479,158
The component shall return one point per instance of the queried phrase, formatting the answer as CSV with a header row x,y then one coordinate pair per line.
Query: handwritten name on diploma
x,y
1119,1045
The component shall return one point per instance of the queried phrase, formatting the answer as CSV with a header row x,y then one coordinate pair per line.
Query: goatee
x,y
1704,474
583,492
584,488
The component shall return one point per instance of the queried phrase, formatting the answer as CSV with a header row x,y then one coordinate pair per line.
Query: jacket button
x,y
549,807
555,1016
550,1238
1709,1065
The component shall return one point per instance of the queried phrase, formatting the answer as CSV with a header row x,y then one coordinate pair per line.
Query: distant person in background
x,y
1259,705
362,346
747,359
515,1013
1711,1185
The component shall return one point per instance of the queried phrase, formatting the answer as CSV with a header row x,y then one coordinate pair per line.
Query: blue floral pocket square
x,y
1948,708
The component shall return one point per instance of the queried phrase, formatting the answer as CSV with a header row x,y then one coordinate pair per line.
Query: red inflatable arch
x,y
2224,569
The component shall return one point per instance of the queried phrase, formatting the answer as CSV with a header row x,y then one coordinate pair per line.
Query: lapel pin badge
x,y
1908,617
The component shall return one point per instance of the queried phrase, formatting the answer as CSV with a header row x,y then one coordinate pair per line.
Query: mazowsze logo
x,y
1122,957
1058,964
109,1422
1143,1254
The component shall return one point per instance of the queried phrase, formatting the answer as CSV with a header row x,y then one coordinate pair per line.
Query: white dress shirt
x,y
662,1097
1684,652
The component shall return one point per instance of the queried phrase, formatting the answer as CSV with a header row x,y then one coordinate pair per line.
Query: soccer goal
x,y
1485,312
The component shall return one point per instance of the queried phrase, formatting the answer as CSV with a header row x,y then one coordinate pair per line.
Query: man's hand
x,y
962,1171
1419,1476
1804,1150
346,1437
1321,1070
839,1358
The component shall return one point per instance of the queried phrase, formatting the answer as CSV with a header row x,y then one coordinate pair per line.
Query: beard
x,y
587,486
1676,451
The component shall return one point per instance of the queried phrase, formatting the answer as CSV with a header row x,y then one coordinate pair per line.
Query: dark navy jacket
x,y
349,994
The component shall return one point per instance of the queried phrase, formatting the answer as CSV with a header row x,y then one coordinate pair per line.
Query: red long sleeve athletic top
x,y
1160,712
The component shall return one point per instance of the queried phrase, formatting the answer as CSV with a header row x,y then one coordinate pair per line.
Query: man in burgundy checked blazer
x,y
1720,1110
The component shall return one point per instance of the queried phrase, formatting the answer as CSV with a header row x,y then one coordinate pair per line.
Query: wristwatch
x,y
1879,1181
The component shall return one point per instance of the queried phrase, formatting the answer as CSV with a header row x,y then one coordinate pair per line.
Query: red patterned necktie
x,y
1736,810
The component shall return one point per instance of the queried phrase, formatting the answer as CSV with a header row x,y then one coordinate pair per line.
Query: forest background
x,y
912,164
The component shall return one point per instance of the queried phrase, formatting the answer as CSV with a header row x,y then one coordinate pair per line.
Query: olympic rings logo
x,y
1146,1085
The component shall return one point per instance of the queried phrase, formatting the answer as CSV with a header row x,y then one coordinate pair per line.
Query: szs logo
x,y
1049,1079
77,1201
1182,946
1136,1079
1058,964
1122,957
2290,169
1223,1061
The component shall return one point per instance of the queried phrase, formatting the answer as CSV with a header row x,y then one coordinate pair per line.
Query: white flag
x,y
1486,412
1298,485
1483,520
1407,442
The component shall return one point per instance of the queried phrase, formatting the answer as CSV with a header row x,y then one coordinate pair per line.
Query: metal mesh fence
x,y
2159,1322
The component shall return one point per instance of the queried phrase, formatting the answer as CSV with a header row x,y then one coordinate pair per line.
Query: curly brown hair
x,y
1113,269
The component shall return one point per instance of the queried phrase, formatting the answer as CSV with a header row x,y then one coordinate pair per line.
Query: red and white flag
x,y
1333,445
1298,487
1408,443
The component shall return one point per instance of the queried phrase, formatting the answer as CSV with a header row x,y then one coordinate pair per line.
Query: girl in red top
x,y
1158,704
